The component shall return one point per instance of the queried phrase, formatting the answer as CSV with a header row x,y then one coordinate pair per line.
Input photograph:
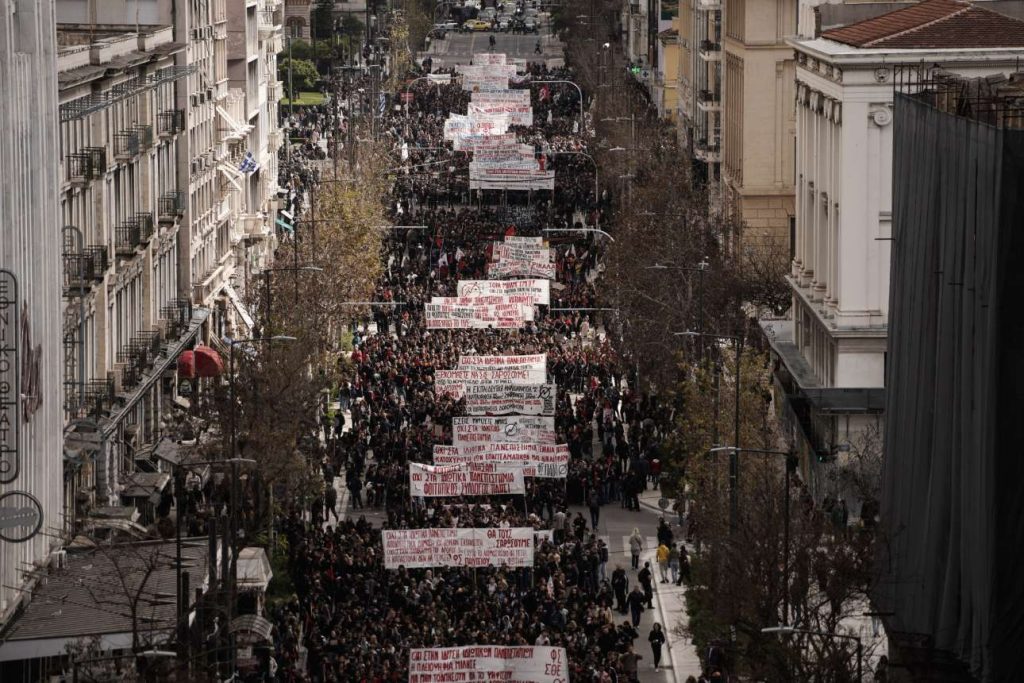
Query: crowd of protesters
x,y
352,620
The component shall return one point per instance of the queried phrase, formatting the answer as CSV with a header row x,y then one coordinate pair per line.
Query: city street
x,y
459,48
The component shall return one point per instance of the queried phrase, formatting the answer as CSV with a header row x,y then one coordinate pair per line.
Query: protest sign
x,y
508,663
480,429
520,399
536,363
548,461
538,289
464,480
450,547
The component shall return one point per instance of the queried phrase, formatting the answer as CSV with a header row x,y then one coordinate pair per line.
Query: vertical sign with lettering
x,y
10,371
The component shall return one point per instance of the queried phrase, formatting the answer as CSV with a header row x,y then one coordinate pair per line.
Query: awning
x,y
236,301
144,484
254,571
208,362
233,177
187,365
257,628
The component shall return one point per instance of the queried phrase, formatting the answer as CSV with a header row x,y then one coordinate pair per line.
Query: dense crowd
x,y
352,620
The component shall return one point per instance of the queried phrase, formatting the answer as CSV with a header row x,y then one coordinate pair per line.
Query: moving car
x,y
504,23
476,25
530,24
447,26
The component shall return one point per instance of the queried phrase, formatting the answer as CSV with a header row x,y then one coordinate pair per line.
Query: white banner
x,y
499,316
468,431
510,664
464,480
548,461
486,300
519,96
493,376
519,399
507,268
420,548
518,114
511,176
493,58
538,290
536,363
465,142
440,79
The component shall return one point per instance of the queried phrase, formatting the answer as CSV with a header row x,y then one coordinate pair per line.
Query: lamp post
x,y
791,462
573,84
593,230
789,630
734,462
699,268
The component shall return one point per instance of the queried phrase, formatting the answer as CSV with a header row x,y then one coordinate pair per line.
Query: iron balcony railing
x,y
83,270
127,237
87,165
145,223
170,122
177,315
171,205
126,145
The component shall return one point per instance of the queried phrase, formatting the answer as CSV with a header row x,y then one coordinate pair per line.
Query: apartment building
x,y
168,171
831,352
31,415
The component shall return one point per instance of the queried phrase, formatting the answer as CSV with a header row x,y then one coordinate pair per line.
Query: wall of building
x,y
29,233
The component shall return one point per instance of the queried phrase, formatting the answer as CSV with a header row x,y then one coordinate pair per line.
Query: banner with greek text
x,y
535,363
471,430
449,547
519,399
511,664
539,290
546,461
429,481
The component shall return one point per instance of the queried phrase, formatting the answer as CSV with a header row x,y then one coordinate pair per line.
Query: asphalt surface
x,y
459,48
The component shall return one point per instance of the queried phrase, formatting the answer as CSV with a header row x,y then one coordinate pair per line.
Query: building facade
x,y
831,352
31,414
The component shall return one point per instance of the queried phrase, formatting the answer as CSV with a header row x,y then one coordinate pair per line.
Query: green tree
x,y
322,19
303,77
351,26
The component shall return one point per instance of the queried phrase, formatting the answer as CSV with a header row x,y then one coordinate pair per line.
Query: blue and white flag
x,y
382,103
248,164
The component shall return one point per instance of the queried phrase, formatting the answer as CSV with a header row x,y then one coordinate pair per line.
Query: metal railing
x,y
171,205
126,144
710,46
127,237
87,165
83,270
145,223
176,315
170,122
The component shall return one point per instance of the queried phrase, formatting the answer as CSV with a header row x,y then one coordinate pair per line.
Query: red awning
x,y
187,365
208,362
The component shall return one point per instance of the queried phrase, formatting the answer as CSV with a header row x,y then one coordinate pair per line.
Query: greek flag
x,y
248,164
382,103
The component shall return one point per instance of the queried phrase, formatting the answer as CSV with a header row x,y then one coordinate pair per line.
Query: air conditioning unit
x,y
59,559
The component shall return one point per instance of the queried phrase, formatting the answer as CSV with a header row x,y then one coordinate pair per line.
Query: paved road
x,y
458,48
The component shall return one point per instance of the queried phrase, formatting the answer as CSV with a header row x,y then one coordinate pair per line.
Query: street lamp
x,y
597,187
734,463
790,630
699,268
573,85
791,463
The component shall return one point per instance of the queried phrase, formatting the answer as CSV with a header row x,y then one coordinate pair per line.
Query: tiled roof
x,y
933,24
88,598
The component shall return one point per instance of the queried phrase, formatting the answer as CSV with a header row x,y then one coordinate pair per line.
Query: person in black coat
x,y
619,584
646,578
636,601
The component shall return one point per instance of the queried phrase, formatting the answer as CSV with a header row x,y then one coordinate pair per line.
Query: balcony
x,y
83,270
709,100
127,237
709,5
170,122
98,397
126,145
176,315
171,206
710,51
269,24
137,356
145,133
251,226
88,165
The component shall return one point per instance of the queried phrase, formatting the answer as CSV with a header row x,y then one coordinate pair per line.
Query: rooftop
x,y
933,24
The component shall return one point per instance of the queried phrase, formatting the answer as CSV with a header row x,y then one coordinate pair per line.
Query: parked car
x,y
504,23
530,25
476,25
447,25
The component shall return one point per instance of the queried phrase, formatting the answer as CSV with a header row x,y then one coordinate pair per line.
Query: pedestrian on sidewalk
x,y
636,604
662,557
331,501
656,638
602,558
636,546
646,577
673,563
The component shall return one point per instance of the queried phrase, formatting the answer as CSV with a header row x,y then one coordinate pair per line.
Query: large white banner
x,y
507,663
430,481
513,268
547,461
493,376
487,430
465,142
480,124
515,154
522,399
519,96
493,58
469,317
486,300
419,548
512,176
535,363
538,290
518,114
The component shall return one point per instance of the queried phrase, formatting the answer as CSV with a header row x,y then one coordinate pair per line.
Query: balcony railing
x,y
83,270
176,315
99,396
138,355
145,223
145,135
171,205
708,96
170,122
88,165
710,46
127,237
126,145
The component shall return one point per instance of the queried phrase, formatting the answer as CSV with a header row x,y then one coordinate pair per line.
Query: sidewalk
x,y
671,605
